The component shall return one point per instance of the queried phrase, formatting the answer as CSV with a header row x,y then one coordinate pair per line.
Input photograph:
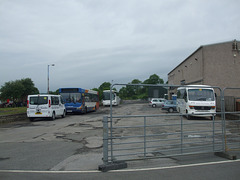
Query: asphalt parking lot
x,y
74,143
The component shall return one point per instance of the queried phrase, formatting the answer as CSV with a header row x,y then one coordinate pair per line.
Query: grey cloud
x,y
92,41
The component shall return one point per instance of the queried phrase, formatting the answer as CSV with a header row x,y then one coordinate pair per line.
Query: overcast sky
x,y
96,41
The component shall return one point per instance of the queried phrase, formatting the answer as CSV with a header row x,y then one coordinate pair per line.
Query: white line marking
x,y
122,170
50,172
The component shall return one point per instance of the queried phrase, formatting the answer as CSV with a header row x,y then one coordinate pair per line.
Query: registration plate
x,y
69,110
38,113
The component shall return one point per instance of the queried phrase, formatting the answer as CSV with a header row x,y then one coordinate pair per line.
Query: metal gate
x,y
132,137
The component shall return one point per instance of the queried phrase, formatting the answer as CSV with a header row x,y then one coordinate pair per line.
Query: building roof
x,y
198,50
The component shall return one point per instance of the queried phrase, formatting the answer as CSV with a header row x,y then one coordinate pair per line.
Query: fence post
x,y
181,133
105,139
213,121
223,115
106,166
145,137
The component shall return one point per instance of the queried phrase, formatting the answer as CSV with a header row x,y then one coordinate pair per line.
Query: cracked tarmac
x,y
71,143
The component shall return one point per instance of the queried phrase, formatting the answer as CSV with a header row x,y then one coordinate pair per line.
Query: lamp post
x,y
48,76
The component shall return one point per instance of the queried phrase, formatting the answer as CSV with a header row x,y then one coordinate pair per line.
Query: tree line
x,y
18,90
132,92
139,92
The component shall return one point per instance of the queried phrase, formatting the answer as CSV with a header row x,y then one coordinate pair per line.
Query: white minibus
x,y
196,100
45,106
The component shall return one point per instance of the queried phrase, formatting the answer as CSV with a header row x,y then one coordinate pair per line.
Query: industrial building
x,y
214,65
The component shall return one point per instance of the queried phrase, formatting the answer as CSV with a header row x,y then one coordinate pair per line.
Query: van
x,y
45,106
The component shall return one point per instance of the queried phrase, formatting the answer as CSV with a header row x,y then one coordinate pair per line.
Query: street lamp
x,y
48,76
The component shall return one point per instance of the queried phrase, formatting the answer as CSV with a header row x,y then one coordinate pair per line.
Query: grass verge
x,y
12,111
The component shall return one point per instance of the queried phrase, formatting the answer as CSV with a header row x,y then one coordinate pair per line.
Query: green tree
x,y
28,87
18,90
130,91
136,81
137,89
54,92
123,93
12,90
102,87
154,79
133,92
139,92
105,86
95,89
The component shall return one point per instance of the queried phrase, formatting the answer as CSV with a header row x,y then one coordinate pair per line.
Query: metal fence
x,y
231,124
132,137
152,136
232,131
